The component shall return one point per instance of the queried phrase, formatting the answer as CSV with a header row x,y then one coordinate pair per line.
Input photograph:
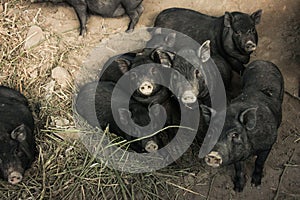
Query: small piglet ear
x,y
19,133
228,18
123,64
248,118
170,39
204,51
256,16
163,57
125,115
207,113
158,31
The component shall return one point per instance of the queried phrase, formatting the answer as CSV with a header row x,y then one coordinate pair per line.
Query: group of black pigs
x,y
253,117
169,77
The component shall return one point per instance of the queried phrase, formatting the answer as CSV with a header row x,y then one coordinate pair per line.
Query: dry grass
x,y
64,169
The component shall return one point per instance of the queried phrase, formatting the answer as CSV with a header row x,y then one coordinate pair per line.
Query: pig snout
x,y
151,146
146,88
250,46
188,97
15,177
213,159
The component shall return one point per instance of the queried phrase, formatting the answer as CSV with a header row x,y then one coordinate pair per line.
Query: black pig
x,y
188,91
142,82
187,81
251,123
189,58
113,8
18,148
116,67
233,35
94,102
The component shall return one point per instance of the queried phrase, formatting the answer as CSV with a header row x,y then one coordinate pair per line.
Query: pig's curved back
x,y
14,109
264,76
12,94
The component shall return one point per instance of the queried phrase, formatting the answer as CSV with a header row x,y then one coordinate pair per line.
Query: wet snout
x,y
151,146
250,46
146,88
188,97
213,159
15,177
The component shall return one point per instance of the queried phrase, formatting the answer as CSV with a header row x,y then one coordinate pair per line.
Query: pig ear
x,y
256,16
163,57
208,113
123,64
19,133
158,31
228,18
204,51
248,118
170,39
125,115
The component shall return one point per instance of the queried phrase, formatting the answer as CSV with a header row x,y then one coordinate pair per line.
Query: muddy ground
x,y
278,31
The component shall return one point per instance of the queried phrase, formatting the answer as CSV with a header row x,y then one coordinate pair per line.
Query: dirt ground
x,y
278,31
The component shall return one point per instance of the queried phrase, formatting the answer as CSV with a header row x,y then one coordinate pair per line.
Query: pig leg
x,y
239,179
119,11
258,169
81,11
134,15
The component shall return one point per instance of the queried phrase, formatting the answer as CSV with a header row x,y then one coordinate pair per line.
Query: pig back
x,y
9,93
14,113
264,76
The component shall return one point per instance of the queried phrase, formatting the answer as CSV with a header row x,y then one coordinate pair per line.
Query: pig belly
x,y
106,8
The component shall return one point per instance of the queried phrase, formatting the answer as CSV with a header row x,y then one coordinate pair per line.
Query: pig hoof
x,y
129,30
255,182
15,177
140,9
83,32
151,146
238,188
256,186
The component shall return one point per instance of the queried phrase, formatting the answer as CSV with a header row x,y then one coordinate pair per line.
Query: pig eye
x,y
252,30
239,33
233,135
18,152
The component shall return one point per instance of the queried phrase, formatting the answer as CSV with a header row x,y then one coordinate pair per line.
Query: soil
x,y
278,31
